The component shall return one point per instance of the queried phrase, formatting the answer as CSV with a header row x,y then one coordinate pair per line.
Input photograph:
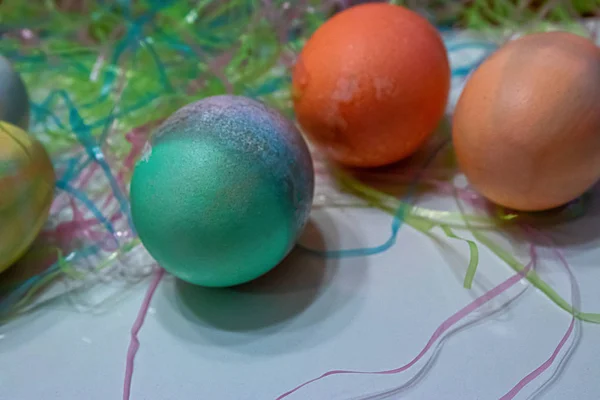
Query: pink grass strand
x,y
134,343
445,326
548,363
539,370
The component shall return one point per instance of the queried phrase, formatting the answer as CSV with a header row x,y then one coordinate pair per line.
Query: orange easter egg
x,y
526,129
371,84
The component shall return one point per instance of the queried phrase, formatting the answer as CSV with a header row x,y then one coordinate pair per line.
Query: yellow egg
x,y
26,191
526,129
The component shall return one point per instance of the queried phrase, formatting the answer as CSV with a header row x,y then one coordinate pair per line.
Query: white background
x,y
312,315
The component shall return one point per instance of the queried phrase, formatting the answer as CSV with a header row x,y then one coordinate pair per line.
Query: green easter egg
x,y
223,191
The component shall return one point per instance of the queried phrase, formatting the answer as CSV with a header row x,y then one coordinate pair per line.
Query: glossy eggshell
x,y
526,129
223,191
371,85
26,191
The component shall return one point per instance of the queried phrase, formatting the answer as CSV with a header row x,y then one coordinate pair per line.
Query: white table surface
x,y
312,315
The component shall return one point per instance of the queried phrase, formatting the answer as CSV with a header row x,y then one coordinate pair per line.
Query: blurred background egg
x,y
371,84
526,129
223,191
26,191
14,101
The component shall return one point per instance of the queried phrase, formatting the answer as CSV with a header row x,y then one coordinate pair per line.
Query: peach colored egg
x,y
371,84
526,129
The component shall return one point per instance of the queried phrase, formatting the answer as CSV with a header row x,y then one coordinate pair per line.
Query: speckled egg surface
x,y
223,191
371,85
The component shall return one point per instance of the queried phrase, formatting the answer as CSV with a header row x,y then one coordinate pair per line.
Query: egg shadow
x,y
285,291
573,233
301,303
37,259
19,329
412,176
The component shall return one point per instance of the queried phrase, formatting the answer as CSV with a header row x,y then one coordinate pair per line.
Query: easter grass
x,y
415,217
102,74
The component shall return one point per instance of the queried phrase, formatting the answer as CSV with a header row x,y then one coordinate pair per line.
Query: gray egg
x,y
14,101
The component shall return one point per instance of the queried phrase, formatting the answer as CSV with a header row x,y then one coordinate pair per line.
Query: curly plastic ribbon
x,y
397,221
134,344
477,226
522,271
546,364
443,328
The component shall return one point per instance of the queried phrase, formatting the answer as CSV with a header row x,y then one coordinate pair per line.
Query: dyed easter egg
x,y
222,191
26,191
526,129
371,84
14,101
